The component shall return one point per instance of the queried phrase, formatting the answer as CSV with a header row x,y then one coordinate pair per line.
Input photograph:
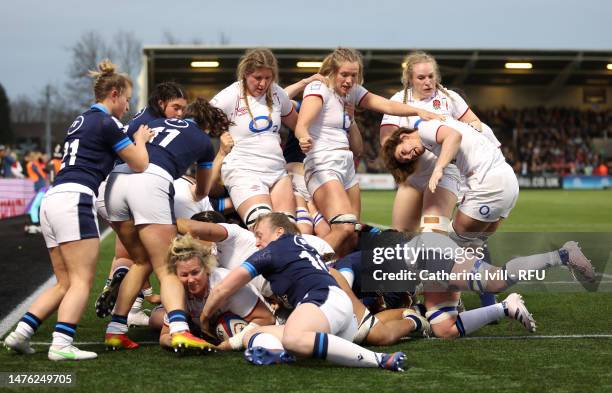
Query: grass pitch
x,y
500,358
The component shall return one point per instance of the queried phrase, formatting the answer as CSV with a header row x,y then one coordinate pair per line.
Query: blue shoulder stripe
x,y
205,165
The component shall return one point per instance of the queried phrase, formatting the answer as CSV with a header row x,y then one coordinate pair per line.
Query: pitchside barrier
x,y
370,181
15,194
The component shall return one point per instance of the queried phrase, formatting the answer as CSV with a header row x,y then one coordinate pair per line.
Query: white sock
x,y
179,326
266,340
116,328
340,351
137,306
532,262
61,340
473,320
25,330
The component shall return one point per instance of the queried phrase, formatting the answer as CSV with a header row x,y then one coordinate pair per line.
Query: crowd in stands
x,y
535,141
32,164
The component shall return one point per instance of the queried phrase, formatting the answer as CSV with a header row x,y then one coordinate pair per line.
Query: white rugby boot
x,y
515,308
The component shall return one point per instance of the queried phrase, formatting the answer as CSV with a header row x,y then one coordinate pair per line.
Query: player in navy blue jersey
x,y
322,324
140,206
68,218
167,100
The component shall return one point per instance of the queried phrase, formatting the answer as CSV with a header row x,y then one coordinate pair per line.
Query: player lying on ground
x,y
322,324
386,327
197,270
442,295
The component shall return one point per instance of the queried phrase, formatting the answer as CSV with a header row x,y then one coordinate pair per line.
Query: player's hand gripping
x,y
426,115
305,143
143,135
227,143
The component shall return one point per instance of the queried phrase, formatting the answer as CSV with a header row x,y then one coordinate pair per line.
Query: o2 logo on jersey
x,y
484,210
76,124
177,123
267,124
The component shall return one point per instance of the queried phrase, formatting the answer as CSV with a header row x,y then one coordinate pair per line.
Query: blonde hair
x,y
252,60
333,61
107,79
186,247
413,59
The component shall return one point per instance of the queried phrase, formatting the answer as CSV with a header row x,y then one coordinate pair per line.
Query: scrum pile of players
x,y
288,265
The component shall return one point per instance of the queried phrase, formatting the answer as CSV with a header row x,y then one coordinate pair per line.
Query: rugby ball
x,y
228,325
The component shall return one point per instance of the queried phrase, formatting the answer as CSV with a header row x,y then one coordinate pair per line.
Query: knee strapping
x,y
291,217
367,323
303,217
438,224
318,218
441,312
346,218
255,211
465,240
478,276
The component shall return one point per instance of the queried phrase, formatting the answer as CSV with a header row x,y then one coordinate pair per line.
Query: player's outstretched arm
x,y
237,279
202,230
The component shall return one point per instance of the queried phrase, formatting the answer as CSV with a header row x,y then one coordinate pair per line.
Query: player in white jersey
x,y
322,130
414,206
254,171
235,244
491,182
196,267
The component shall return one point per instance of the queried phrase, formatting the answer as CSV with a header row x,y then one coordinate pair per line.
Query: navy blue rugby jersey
x,y
292,151
145,116
292,267
352,262
91,147
177,144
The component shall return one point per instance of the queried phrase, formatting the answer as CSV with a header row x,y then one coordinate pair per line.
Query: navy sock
x,y
320,346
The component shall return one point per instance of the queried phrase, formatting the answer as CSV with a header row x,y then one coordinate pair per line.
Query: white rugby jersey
x,y
256,139
240,245
184,205
452,105
237,246
329,130
440,103
241,303
476,155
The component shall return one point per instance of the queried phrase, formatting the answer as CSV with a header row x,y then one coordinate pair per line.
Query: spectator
x,y
7,160
601,170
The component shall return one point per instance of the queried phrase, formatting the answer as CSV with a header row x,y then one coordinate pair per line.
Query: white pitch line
x,y
13,317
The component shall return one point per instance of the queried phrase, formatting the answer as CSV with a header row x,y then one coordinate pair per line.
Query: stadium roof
x,y
465,67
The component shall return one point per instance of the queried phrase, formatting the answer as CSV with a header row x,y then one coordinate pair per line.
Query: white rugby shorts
x,y
68,213
325,166
494,197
